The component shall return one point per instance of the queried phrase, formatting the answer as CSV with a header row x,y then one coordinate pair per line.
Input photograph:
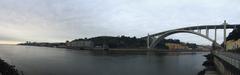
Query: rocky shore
x,y
209,66
7,69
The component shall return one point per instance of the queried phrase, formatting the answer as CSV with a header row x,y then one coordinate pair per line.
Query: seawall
x,y
226,65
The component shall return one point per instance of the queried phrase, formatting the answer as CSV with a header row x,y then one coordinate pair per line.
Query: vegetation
x,y
6,69
131,42
114,42
234,35
117,42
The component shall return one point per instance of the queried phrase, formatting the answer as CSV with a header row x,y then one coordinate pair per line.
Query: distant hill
x,y
113,42
119,42
130,42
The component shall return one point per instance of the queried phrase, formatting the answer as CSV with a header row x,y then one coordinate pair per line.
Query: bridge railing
x,y
231,58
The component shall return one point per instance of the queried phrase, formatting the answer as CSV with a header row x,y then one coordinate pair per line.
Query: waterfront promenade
x,y
227,63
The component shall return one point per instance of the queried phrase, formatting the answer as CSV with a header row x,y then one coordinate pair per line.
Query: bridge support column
x,y
207,31
215,39
199,31
224,34
148,41
215,36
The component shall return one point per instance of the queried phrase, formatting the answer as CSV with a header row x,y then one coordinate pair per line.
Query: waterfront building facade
x,y
175,46
80,44
232,44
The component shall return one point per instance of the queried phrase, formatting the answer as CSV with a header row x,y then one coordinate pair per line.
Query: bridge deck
x,y
229,26
212,27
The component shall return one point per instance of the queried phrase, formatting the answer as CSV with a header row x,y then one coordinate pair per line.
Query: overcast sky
x,y
61,20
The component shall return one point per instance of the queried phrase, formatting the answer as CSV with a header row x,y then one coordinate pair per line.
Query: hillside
x,y
130,42
234,35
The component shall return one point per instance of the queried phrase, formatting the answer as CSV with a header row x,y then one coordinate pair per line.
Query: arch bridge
x,y
154,39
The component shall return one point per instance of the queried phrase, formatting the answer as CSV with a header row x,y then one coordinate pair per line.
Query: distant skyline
x,y
61,20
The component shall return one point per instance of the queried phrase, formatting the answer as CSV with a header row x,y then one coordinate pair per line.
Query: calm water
x,y
55,61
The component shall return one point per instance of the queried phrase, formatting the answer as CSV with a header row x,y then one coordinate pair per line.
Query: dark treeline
x,y
117,42
191,45
114,42
234,35
131,42
7,69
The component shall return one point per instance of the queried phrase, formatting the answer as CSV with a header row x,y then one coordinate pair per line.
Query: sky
x,y
61,20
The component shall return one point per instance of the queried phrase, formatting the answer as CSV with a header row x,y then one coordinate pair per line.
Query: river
x,y
55,61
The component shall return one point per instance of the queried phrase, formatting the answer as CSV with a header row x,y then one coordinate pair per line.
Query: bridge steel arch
x,y
162,36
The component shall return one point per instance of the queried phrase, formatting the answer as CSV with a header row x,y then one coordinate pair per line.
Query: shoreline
x,y
210,67
125,50
7,69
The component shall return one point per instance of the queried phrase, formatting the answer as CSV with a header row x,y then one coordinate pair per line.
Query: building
x,y
204,47
175,46
232,44
82,44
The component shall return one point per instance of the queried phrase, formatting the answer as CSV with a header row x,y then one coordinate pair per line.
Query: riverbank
x,y
210,68
127,50
142,51
7,69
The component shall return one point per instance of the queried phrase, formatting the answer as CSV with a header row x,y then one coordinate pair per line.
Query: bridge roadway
x,y
228,26
154,39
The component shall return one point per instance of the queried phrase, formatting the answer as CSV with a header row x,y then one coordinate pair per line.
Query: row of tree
x,y
114,42
130,42
234,35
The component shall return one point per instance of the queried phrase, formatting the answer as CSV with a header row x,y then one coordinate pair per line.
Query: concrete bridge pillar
x,y
215,36
148,41
224,33
207,31
199,31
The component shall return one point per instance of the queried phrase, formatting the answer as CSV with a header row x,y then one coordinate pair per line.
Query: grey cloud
x,y
60,20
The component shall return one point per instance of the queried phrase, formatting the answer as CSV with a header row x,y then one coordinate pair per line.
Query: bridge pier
x,y
148,41
224,34
207,31
215,34
199,31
